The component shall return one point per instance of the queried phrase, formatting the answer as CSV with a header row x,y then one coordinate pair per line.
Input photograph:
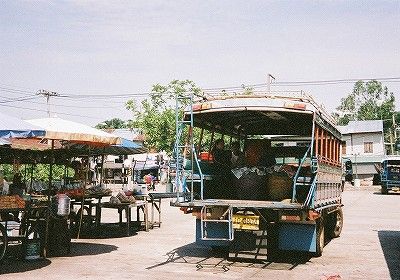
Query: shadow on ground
x,y
10,265
206,258
89,249
390,243
109,230
15,263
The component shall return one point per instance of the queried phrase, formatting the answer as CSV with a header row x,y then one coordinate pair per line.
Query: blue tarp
x,y
12,127
126,147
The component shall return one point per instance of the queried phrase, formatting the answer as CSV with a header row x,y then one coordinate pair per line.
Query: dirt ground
x,y
369,248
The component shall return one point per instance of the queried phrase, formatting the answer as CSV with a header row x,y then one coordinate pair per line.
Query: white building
x,y
363,144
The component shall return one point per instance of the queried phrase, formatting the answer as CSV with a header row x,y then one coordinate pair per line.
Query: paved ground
x,y
369,248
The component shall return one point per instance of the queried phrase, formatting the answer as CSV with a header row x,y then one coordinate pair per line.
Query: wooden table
x,y
141,205
155,198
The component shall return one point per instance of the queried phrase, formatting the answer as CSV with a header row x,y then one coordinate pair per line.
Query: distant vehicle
x,y
289,202
348,171
390,175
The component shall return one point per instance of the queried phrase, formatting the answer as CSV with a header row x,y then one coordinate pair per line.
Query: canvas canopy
x,y
14,127
60,129
4,142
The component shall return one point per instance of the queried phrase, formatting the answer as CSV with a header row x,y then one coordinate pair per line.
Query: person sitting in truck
x,y
267,159
220,155
237,159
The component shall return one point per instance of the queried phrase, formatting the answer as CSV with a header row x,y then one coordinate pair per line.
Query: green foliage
x,y
368,101
161,96
114,123
40,172
247,90
156,115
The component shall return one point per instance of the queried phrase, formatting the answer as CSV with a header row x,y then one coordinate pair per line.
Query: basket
x,y
279,186
11,202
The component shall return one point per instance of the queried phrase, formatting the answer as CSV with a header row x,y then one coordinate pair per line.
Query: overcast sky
x,y
124,47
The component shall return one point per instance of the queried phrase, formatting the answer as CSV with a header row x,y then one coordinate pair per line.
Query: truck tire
x,y
335,223
320,240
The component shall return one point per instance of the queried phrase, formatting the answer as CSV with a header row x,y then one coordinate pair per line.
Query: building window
x,y
368,147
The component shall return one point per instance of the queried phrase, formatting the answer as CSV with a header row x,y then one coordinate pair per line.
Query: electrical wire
x,y
8,100
299,83
29,95
58,113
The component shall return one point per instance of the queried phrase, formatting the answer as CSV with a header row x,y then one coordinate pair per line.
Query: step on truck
x,y
285,192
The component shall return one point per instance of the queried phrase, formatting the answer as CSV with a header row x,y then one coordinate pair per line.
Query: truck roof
x,y
259,114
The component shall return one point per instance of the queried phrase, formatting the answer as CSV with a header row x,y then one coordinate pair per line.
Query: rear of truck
x,y
390,175
258,211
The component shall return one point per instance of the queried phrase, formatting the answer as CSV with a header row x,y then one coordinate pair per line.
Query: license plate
x,y
250,222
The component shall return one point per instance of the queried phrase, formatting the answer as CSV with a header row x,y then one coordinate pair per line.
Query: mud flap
x,y
297,237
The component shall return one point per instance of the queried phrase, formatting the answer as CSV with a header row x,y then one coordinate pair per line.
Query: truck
x,y
287,196
390,175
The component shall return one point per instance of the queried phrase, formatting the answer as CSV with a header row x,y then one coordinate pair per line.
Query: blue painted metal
x,y
296,176
213,230
390,175
182,175
311,194
297,237
12,127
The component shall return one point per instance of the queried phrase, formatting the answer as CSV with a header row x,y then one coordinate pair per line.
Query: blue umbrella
x,y
12,127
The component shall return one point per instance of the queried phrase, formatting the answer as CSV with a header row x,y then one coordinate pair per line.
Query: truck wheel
x,y
320,240
384,190
335,223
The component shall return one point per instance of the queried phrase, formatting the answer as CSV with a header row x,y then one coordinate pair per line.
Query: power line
x,y
7,88
13,90
58,113
8,100
117,104
299,83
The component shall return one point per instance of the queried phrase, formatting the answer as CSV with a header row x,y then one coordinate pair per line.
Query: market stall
x,y
12,207
55,141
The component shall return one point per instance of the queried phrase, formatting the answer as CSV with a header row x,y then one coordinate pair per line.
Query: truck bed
x,y
239,204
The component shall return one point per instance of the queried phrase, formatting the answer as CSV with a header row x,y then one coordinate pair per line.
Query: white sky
x,y
124,47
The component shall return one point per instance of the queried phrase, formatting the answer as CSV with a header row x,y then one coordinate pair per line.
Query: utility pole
x,y
269,81
47,94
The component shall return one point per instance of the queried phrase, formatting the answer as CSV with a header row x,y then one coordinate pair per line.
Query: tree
x,y
40,172
368,101
114,123
156,117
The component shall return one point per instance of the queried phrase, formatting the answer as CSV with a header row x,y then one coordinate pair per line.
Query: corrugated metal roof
x,y
362,127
